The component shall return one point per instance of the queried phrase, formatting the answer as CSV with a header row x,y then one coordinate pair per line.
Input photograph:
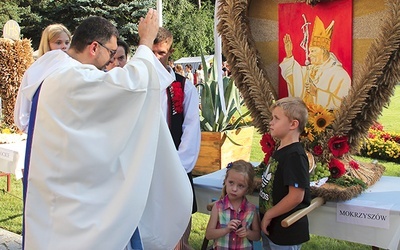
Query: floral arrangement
x,y
329,152
8,135
267,146
381,144
326,148
177,97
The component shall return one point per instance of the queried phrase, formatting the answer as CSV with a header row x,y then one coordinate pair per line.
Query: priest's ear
x,y
93,47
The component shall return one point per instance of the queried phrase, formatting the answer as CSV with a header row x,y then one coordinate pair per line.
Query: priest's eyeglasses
x,y
111,51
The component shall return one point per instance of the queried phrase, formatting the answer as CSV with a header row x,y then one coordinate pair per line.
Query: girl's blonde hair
x,y
48,34
244,167
179,69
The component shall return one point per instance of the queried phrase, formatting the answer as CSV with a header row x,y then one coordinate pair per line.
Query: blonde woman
x,y
179,69
55,36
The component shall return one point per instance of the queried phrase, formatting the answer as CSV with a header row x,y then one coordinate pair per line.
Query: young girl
x,y
234,222
55,36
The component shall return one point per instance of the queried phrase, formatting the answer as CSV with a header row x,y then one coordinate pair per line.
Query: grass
x,y
11,203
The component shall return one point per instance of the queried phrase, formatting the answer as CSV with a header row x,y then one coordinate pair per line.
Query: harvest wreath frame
x,y
370,91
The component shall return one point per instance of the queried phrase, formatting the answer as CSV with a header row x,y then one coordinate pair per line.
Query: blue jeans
x,y
269,245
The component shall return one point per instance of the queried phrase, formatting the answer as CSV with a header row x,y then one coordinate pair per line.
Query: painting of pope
x,y
322,79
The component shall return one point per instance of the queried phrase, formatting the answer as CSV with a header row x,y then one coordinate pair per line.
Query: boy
x,y
285,182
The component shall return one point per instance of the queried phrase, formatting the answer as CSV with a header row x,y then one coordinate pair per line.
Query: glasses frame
x,y
111,51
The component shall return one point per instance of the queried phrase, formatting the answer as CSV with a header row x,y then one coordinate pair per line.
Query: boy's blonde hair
x,y
295,109
48,34
245,168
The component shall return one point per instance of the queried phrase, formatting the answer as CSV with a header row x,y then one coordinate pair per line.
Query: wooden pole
x,y
159,11
315,203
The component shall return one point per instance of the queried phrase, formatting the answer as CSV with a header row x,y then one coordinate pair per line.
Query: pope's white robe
x,y
103,161
332,81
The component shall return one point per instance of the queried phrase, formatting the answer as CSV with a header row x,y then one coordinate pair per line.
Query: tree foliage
x,y
124,14
10,10
192,27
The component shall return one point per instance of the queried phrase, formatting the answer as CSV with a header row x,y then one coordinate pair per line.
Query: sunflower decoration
x,y
319,121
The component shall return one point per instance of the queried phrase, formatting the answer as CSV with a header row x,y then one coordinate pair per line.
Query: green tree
x,y
9,9
193,28
123,14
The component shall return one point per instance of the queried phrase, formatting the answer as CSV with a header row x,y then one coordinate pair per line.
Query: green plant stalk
x,y
212,116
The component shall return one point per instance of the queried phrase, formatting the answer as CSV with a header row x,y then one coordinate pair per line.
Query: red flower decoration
x,y
267,145
177,97
386,136
338,145
336,168
377,126
354,165
317,150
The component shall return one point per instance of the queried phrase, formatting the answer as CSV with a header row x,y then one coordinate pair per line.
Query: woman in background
x,y
179,69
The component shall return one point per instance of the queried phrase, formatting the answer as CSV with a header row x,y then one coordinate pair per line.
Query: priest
x,y
101,165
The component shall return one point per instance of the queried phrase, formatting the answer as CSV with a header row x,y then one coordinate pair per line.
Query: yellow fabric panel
x,y
268,51
263,8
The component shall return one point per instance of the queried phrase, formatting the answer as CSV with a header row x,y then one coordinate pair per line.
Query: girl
x,y
55,36
234,222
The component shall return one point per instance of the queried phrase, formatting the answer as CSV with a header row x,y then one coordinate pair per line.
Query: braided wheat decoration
x,y
258,92
370,91
15,58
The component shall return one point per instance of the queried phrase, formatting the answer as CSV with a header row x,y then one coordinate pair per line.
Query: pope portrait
x,y
323,80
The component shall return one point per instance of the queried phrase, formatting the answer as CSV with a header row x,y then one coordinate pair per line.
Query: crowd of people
x,y
86,187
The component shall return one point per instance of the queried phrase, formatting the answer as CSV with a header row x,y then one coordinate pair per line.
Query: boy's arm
x,y
290,201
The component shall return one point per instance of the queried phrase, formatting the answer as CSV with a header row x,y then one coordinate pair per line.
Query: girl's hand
x,y
233,225
241,231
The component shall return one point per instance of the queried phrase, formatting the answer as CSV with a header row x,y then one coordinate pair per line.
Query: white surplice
x,y
103,161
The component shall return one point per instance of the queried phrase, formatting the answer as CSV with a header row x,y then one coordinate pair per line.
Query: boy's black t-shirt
x,y
291,169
